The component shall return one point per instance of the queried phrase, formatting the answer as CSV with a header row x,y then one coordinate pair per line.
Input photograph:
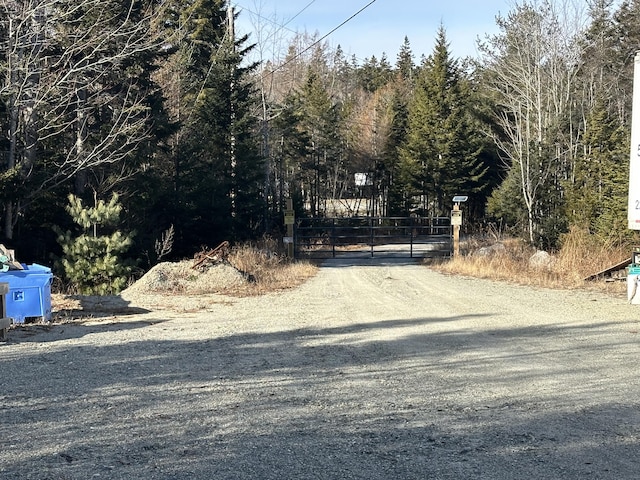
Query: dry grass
x,y
581,256
260,268
268,269
248,269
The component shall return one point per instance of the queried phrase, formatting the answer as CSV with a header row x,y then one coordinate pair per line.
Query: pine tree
x,y
92,260
597,196
442,150
218,172
405,66
318,117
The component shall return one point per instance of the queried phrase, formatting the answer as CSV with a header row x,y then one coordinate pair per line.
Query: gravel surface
x,y
371,371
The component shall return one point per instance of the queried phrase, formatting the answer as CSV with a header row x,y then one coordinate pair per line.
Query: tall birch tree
x,y
530,69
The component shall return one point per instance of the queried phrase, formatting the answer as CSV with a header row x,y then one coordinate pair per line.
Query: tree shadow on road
x,y
405,398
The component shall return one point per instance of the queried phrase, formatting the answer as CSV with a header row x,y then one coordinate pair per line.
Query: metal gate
x,y
410,237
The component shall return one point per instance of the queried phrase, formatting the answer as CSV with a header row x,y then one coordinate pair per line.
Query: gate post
x,y
371,236
411,225
289,221
456,222
333,237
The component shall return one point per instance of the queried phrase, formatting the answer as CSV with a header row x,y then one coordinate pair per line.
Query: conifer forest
x,y
122,120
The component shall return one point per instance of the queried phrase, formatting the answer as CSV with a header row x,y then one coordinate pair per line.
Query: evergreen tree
x,y
501,207
293,147
228,174
400,176
405,65
318,116
597,197
345,75
92,259
374,74
442,150
218,172
399,180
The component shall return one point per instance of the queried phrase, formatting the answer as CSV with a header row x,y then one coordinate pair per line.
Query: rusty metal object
x,y
206,258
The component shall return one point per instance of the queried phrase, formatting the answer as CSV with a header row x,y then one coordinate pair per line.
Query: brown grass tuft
x,y
581,255
268,269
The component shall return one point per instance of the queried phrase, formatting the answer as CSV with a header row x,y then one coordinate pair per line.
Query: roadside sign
x,y
456,217
633,210
289,218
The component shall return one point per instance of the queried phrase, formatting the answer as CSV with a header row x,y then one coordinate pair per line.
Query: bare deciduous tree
x,y
531,68
64,83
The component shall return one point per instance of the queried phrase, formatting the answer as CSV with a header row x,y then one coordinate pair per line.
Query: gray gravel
x,y
374,371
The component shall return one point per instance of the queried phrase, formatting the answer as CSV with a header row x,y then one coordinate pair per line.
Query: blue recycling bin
x,y
29,293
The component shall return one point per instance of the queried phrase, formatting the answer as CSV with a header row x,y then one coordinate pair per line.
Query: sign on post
x,y
633,210
456,222
456,217
289,217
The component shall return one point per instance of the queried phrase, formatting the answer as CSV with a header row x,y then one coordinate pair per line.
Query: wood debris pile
x,y
206,258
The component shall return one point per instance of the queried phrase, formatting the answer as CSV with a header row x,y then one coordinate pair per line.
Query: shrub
x,y
92,262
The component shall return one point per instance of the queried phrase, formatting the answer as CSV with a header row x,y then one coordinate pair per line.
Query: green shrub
x,y
92,260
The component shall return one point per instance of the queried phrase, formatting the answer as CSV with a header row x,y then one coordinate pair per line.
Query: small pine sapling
x,y
92,261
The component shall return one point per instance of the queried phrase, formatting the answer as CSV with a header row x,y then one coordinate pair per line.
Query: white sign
x,y
362,179
633,210
456,217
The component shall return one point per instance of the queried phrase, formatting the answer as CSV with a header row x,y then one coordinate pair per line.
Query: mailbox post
x,y
5,322
456,222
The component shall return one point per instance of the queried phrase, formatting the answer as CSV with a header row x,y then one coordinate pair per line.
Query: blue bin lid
x,y
35,268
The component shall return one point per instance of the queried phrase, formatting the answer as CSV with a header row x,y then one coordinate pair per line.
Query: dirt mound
x,y
168,286
180,277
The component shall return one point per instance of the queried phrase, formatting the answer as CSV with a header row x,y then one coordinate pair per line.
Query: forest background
x,y
126,121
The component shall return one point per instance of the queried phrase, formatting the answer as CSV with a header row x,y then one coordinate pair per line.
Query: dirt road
x,y
375,371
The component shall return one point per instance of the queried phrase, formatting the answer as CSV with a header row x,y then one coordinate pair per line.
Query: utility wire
x,y
284,26
323,37
281,26
299,13
270,20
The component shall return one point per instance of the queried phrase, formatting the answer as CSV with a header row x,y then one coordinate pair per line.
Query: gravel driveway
x,y
370,371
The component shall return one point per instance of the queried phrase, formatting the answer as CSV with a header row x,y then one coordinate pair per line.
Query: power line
x,y
280,26
284,27
277,24
299,13
323,37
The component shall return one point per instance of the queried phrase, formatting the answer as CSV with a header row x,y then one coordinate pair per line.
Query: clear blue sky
x,y
381,27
